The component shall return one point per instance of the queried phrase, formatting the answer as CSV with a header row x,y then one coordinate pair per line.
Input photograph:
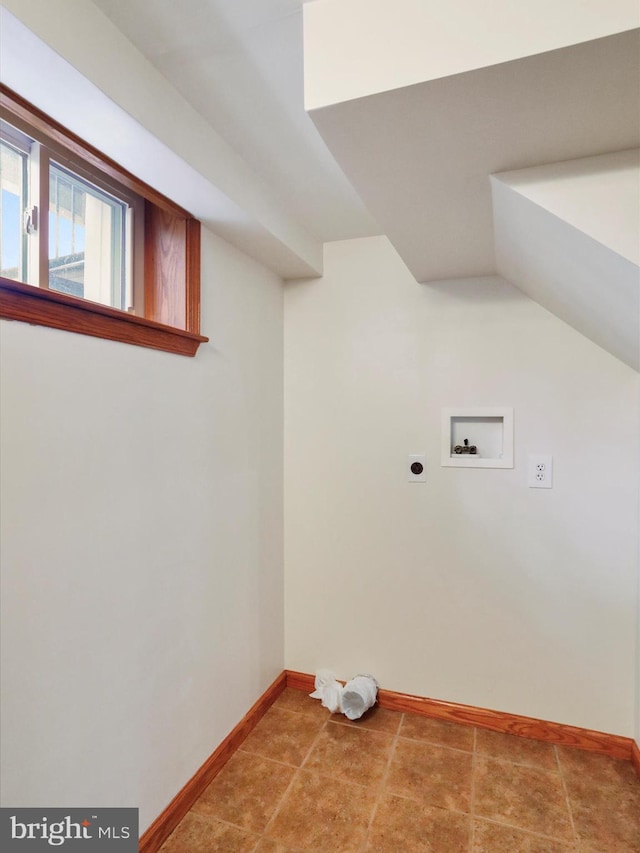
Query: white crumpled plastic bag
x,y
356,697
328,690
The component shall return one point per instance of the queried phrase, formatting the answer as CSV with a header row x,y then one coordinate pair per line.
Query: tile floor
x,y
396,783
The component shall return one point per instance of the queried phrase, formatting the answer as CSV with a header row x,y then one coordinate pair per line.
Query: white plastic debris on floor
x,y
356,697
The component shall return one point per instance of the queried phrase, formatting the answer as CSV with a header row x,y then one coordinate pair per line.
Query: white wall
x,y
471,588
142,579
360,48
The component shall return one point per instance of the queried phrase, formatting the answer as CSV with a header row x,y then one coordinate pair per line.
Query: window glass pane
x,y
12,206
87,246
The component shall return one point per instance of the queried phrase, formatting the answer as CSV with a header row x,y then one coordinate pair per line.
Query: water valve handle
x,y
465,448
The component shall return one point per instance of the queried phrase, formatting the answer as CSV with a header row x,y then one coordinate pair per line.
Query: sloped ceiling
x,y
568,234
421,156
240,64
558,129
504,88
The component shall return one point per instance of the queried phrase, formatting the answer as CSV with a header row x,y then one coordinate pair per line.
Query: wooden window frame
x,y
171,319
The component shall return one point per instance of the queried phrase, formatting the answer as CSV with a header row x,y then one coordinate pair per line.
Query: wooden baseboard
x,y
300,681
498,721
635,757
166,822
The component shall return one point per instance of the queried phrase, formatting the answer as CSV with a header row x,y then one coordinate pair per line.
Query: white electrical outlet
x,y
540,472
417,468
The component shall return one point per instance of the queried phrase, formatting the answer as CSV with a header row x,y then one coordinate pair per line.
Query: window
x,y
83,225
87,247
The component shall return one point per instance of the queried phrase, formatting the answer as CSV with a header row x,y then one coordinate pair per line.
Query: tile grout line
x,y
439,744
214,819
209,818
266,758
421,802
522,831
472,803
383,784
568,801
488,757
314,742
295,776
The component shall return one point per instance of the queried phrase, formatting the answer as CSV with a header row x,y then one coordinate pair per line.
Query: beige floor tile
x,y
524,797
603,770
413,827
350,754
441,732
520,750
301,702
283,736
604,794
266,845
198,834
246,791
606,817
495,838
435,775
323,816
377,719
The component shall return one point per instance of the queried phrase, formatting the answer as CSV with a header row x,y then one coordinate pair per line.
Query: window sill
x,y
29,304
